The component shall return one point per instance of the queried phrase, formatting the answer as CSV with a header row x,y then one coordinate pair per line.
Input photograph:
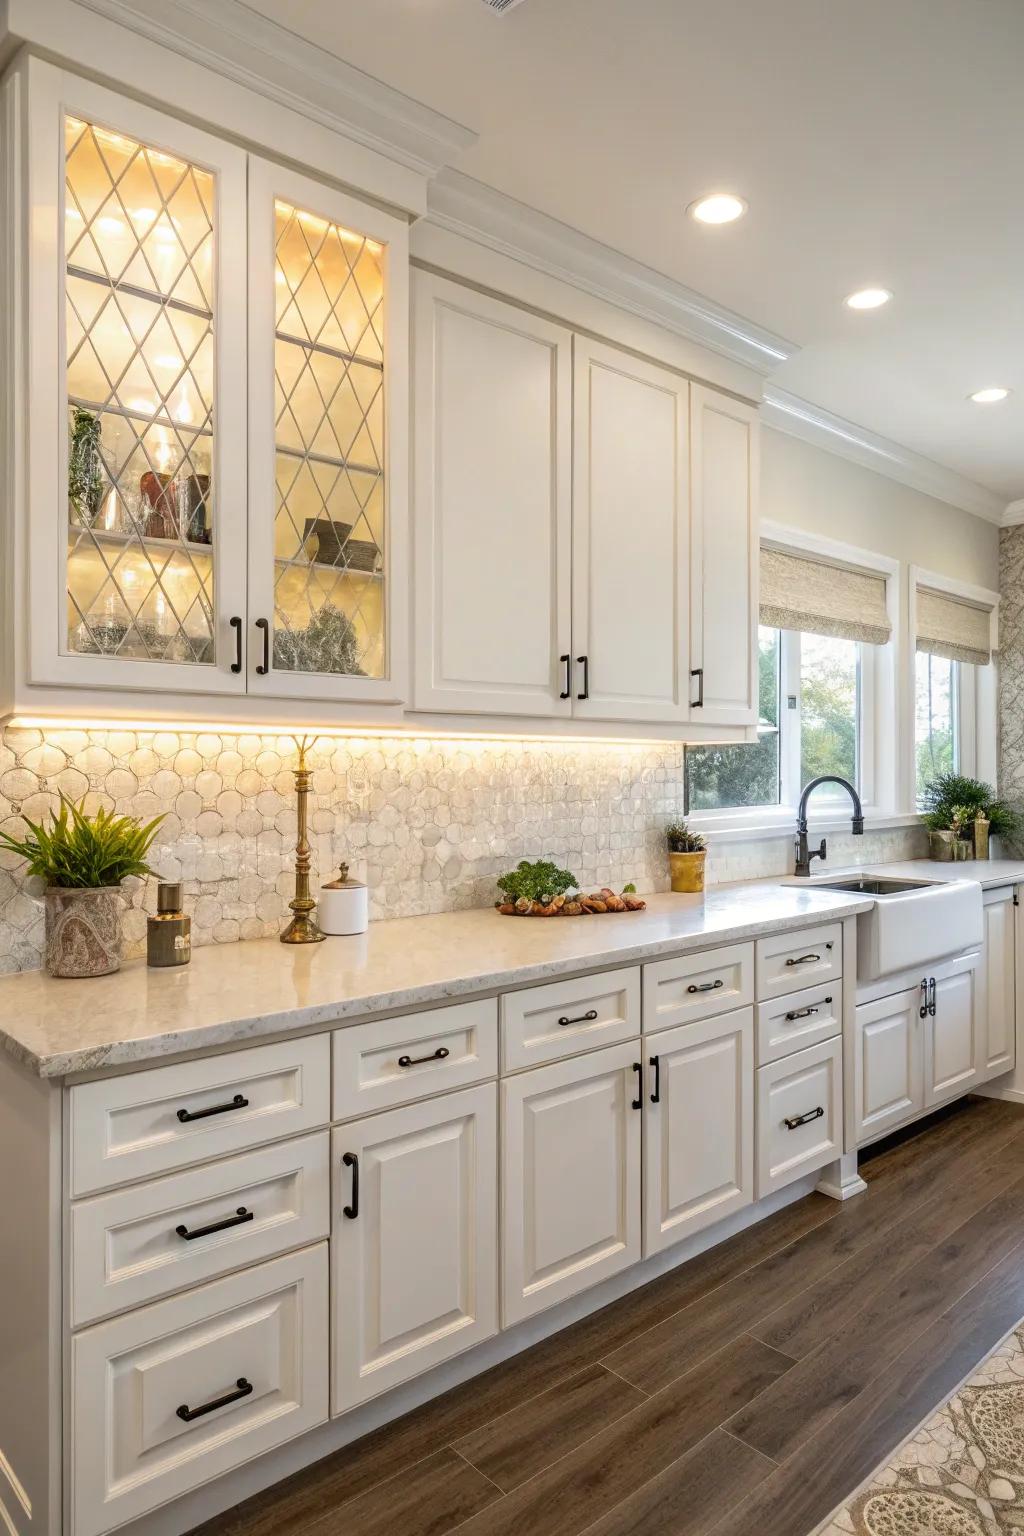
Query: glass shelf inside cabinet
x,y
329,528
139,254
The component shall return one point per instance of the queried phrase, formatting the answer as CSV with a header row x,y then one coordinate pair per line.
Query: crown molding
x,y
466,207
250,49
1014,514
799,418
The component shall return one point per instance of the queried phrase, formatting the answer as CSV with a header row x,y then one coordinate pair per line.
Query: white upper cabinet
x,y
492,488
135,491
724,551
328,411
630,536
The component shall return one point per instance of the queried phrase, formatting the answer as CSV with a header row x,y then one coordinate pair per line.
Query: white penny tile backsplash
x,y
428,824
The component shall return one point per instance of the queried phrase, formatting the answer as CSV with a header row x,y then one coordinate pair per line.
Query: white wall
x,y
806,487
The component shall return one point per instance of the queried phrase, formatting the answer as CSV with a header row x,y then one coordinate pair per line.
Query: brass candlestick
x,y
302,929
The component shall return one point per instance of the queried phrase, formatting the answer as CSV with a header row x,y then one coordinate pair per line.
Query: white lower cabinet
x,y
167,1397
998,1038
414,1240
799,1115
698,1126
888,1063
570,1177
952,1042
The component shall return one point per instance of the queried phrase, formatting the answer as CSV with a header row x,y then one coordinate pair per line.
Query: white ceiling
x,y
878,142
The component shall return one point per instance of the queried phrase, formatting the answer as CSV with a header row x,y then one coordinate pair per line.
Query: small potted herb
x,y
84,860
687,852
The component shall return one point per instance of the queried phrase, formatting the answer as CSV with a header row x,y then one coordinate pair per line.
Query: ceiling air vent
x,y
501,5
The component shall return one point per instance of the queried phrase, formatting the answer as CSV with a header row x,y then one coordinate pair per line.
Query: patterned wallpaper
x,y
1011,670
428,824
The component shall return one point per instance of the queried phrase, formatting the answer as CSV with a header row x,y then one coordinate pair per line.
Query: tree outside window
x,y
936,733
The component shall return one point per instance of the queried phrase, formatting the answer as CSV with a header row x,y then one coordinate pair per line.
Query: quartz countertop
x,y
234,993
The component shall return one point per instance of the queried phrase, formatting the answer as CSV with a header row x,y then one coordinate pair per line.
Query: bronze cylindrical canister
x,y
169,933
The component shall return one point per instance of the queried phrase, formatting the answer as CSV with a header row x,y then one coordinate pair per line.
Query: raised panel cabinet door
x,y
888,1063
724,555
698,1127
630,538
135,519
328,413
414,1240
492,504
570,1177
999,1043
954,1036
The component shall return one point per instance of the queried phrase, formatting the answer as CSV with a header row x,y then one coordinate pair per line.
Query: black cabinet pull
x,y
566,661
581,1018
264,666
931,1000
351,1161
791,1123
922,1012
239,1219
638,1102
238,1102
803,959
584,662
706,986
698,702
417,1061
242,1389
236,625
656,1093
804,1013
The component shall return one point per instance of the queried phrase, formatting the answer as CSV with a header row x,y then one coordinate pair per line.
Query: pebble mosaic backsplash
x,y
428,824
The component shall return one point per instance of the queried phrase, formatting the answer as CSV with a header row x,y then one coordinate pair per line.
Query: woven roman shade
x,y
817,598
949,627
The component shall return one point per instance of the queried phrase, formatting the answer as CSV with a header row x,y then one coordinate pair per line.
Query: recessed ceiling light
x,y
868,298
718,208
990,396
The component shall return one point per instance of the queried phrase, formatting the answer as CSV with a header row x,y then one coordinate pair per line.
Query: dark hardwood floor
x,y
746,1392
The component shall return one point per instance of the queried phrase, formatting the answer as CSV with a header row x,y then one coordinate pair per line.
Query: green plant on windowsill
x,y
967,798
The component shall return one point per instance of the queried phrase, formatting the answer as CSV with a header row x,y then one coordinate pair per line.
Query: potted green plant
x,y
86,483
84,860
687,852
974,803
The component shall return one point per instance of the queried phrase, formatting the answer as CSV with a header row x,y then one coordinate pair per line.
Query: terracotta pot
x,y
687,870
83,931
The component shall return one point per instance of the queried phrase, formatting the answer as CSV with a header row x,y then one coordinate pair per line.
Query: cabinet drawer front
x,y
146,1123
787,962
543,1024
165,1398
698,986
799,1115
394,1061
135,1245
792,1023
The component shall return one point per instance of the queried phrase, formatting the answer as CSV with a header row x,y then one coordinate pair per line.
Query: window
x,y
811,694
936,724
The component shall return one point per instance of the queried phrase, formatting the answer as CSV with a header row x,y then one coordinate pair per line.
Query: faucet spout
x,y
804,854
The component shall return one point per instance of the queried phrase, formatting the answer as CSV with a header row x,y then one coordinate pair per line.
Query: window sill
x,y
759,825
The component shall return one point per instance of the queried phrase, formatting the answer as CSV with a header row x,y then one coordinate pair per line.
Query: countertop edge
x,y
246,1030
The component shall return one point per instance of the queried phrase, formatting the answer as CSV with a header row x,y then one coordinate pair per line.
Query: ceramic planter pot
x,y
687,871
940,846
83,931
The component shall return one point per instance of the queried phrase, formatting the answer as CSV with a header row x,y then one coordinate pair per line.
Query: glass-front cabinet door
x,y
328,325
147,518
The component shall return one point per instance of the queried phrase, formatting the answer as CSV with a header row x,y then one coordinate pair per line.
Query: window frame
x,y
878,759
977,687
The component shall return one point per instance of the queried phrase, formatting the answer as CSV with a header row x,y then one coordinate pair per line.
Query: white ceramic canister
x,y
343,906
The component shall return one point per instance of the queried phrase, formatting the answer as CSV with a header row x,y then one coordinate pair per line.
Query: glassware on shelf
x,y
139,256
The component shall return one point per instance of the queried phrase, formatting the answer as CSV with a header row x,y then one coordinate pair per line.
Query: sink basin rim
x,y
875,885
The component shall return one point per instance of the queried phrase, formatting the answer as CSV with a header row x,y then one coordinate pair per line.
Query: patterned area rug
x,y
962,1472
